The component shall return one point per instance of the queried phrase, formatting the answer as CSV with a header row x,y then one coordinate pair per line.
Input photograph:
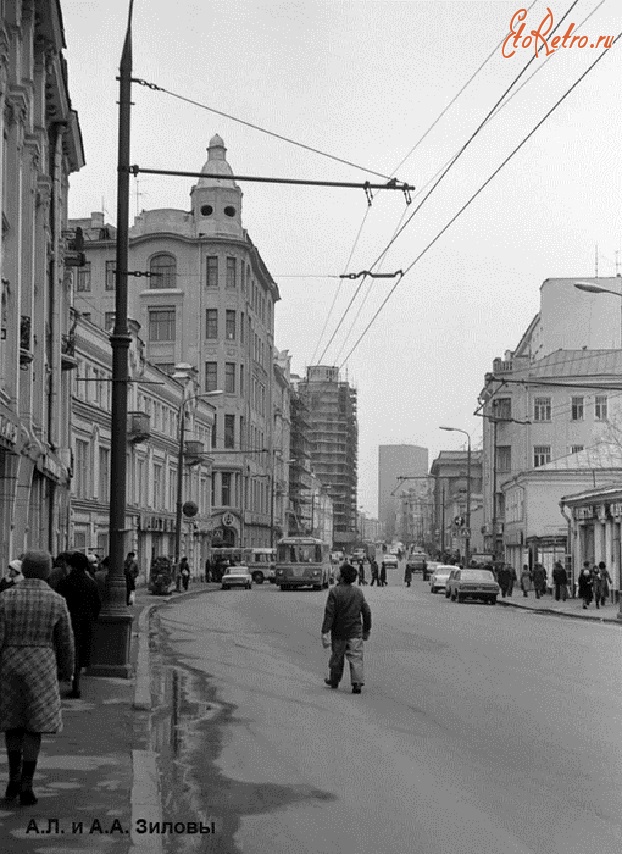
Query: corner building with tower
x,y
208,302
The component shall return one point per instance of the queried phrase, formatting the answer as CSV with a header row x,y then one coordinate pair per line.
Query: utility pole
x,y
467,543
111,638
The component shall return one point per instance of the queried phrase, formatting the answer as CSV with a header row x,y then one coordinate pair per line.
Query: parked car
x,y
237,576
440,577
474,584
390,561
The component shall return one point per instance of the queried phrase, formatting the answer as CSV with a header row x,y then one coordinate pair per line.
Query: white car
x,y
440,577
237,576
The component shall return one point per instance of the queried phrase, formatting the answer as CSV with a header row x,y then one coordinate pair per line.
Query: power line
x,y
302,145
475,195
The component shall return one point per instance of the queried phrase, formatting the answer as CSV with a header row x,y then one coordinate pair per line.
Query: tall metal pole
x,y
111,641
443,526
494,490
272,503
180,489
467,543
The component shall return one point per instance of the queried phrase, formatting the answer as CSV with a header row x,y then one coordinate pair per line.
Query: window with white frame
x,y
157,487
211,323
230,377
110,275
82,467
104,474
504,458
542,409
577,409
225,489
502,407
83,282
230,325
163,269
231,272
211,271
600,407
541,455
162,323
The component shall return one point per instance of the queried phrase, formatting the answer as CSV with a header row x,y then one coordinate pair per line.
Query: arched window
x,y
163,269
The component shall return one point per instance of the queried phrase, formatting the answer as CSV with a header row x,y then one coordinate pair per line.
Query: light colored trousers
x,y
352,649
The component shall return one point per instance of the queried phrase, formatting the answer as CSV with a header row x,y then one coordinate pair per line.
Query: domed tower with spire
x,y
217,202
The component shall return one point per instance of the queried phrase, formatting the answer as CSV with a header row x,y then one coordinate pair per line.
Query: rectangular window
x,y
241,327
504,458
110,275
541,455
82,469
502,407
104,474
162,324
231,272
157,487
576,449
211,323
226,488
215,431
211,271
229,431
230,325
211,376
213,489
83,283
600,407
542,409
242,433
577,409
230,377
241,380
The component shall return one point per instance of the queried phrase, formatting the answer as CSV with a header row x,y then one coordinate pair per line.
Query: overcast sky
x,y
364,81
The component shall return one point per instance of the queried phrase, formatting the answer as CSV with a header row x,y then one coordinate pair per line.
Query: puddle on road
x,y
187,730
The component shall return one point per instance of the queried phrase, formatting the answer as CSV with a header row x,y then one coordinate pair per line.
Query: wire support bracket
x,y
371,275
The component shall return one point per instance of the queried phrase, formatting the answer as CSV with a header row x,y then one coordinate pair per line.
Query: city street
x,y
484,730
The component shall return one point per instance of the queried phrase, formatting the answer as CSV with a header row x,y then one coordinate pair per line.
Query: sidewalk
x,y
98,776
572,608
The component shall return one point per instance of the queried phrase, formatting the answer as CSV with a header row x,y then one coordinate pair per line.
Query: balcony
x,y
193,451
138,427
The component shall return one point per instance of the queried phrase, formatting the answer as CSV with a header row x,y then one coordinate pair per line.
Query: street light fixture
x,y
467,541
182,374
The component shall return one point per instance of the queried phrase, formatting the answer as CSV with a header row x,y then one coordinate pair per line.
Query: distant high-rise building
x,y
331,412
395,461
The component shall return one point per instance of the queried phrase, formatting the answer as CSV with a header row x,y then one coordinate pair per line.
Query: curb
x,y
553,612
146,803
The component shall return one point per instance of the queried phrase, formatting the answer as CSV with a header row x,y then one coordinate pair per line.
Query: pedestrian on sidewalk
x,y
361,573
374,574
346,624
504,579
539,580
525,580
184,569
13,577
605,581
585,584
36,649
383,575
596,586
408,574
101,578
130,571
511,579
83,603
208,571
60,570
560,578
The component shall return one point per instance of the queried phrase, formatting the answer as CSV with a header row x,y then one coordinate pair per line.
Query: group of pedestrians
x,y
594,584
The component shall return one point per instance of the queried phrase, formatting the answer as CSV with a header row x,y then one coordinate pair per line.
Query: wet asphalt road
x,y
480,731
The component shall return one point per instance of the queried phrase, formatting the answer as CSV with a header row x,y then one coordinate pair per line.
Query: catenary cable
x,y
476,194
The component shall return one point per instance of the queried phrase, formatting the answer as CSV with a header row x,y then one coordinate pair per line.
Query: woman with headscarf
x,y
14,575
36,649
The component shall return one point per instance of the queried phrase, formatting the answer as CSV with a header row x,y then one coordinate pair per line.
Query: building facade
x,y
281,455
154,412
208,302
449,471
332,415
41,147
395,462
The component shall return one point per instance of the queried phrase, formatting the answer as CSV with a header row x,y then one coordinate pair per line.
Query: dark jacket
x,y
585,584
559,575
83,603
347,614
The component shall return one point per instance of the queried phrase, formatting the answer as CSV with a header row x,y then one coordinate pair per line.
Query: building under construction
x,y
331,412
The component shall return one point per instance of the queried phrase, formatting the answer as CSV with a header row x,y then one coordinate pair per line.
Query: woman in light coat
x,y
36,649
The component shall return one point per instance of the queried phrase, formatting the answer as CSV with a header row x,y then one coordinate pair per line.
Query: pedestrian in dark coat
x,y
560,579
408,575
83,602
60,570
383,575
539,580
525,579
596,586
511,579
605,581
585,584
208,571
184,568
347,617
504,579
130,571
374,574
36,648
361,573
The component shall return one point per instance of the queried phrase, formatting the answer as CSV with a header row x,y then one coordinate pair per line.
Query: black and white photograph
x,y
310,427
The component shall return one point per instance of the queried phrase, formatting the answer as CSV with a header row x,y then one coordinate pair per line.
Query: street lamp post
x,y
590,288
467,541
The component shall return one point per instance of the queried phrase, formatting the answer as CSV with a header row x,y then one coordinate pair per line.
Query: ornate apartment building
x,y
41,146
208,302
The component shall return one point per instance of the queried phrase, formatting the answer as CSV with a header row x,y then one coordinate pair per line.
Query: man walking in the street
x,y
383,575
347,623
83,603
374,573
596,586
539,580
362,581
208,571
408,574
130,570
504,579
560,578
511,579
605,581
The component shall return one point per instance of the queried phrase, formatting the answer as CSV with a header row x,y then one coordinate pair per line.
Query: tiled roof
x,y
605,455
576,363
